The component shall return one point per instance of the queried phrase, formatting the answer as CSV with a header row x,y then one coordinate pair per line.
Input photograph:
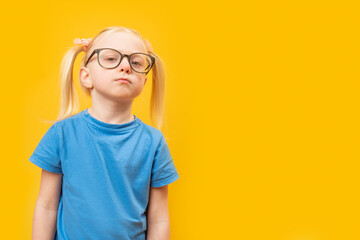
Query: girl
x,y
104,171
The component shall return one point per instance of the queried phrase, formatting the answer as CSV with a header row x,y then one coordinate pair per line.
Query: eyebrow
x,y
139,51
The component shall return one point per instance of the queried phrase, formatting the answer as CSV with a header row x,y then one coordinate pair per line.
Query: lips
x,y
122,80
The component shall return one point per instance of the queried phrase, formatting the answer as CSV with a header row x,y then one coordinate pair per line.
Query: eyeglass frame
x,y
98,50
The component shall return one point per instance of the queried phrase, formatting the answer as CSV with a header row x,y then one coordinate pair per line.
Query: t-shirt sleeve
x,y
163,169
47,153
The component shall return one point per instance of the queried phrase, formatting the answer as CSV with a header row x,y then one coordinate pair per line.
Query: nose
x,y
124,65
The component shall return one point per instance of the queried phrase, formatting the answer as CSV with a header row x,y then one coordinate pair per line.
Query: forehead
x,y
121,41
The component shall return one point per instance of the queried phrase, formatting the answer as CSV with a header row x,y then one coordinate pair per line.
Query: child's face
x,y
103,81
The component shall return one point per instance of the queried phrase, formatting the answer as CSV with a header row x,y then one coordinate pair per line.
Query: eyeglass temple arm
x,y
92,54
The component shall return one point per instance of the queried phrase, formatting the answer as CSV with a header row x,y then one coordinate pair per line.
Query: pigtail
x,y
69,101
157,103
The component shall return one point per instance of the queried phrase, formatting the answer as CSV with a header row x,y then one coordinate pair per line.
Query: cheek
x,y
143,79
101,78
138,86
139,78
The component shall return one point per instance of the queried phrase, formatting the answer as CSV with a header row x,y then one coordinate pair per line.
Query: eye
x,y
137,63
111,59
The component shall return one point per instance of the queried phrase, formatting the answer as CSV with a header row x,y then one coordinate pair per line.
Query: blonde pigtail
x,y
69,101
157,103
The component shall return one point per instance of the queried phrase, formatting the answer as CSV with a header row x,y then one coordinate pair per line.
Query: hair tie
x,y
83,42
148,45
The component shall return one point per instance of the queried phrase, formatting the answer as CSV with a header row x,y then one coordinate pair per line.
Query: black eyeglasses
x,y
111,58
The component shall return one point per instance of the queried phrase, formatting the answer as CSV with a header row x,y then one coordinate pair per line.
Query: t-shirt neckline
x,y
110,127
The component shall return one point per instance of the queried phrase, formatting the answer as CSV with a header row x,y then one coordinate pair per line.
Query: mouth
x,y
123,80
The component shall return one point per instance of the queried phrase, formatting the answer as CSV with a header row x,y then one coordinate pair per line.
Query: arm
x,y
158,214
45,214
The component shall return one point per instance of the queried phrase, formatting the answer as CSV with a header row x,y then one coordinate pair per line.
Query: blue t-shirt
x,y
107,173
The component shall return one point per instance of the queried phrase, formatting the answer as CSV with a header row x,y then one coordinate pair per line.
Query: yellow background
x,y
262,110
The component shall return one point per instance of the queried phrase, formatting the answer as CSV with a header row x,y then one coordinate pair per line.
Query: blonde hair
x,y
69,101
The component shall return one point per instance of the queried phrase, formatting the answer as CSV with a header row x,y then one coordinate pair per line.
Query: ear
x,y
145,80
85,79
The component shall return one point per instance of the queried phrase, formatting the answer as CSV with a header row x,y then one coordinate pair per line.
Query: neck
x,y
112,115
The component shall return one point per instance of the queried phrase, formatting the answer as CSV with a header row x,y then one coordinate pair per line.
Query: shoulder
x,y
155,134
73,120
